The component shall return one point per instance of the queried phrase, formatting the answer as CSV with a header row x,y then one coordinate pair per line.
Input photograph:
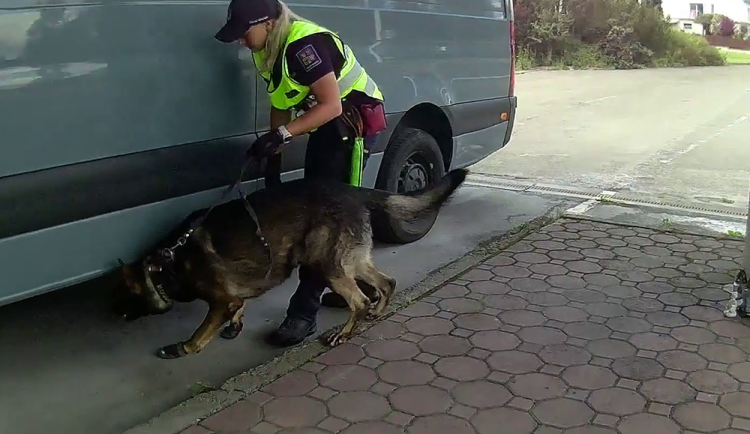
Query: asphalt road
x,y
66,367
677,135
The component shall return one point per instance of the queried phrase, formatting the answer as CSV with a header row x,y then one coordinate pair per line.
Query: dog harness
x,y
168,253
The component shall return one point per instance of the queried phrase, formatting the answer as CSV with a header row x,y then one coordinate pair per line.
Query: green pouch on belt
x,y
358,154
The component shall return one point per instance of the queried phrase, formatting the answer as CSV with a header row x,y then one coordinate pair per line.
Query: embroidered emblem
x,y
309,58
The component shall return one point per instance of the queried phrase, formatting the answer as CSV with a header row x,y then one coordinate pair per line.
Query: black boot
x,y
291,332
302,311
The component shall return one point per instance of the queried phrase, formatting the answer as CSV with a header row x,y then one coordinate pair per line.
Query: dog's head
x,y
143,290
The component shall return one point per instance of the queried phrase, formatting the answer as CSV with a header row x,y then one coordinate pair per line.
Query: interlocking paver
x,y
581,328
703,417
295,383
667,391
358,406
645,423
503,421
616,401
722,353
365,428
537,386
563,413
306,412
589,377
406,373
495,340
541,335
712,382
235,418
740,371
347,378
390,350
440,424
481,394
611,348
445,345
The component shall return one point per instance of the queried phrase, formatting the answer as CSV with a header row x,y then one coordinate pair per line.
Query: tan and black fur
x,y
325,225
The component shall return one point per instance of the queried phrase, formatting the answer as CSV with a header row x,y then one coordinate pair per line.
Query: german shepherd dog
x,y
320,224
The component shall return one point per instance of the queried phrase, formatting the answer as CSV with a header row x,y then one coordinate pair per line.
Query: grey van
x,y
119,117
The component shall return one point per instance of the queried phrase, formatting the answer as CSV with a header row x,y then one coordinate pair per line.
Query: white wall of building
x,y
684,11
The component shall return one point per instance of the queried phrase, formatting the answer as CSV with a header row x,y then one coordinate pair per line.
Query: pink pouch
x,y
373,118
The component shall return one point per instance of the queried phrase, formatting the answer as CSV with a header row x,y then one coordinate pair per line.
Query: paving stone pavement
x,y
580,328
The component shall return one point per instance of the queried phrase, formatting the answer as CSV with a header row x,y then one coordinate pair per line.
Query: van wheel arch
x,y
418,154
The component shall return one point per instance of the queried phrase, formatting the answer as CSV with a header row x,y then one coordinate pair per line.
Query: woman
x,y
310,71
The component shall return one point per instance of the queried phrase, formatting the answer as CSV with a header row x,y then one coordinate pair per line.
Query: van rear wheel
x,y
412,161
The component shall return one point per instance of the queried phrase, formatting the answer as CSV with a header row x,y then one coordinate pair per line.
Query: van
x,y
119,118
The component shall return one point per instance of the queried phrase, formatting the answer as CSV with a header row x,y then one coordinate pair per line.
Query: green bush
x,y
525,59
685,49
586,56
624,49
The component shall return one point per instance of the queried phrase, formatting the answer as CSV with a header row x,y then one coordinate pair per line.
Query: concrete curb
x,y
205,404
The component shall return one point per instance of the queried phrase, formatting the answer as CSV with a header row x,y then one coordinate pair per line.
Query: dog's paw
x,y
335,339
332,337
174,351
231,331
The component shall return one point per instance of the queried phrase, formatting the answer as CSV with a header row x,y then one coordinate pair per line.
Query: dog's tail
x,y
411,205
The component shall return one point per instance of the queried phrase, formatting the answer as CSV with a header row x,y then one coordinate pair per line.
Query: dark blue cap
x,y
243,14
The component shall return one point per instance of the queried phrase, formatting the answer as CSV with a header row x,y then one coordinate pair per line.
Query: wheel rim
x,y
415,174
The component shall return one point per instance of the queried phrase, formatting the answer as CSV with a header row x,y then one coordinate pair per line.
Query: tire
x,y
412,161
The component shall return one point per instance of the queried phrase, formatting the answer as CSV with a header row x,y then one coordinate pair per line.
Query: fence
x,y
725,41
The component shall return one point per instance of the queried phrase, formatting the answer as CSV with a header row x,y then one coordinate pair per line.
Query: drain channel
x,y
610,197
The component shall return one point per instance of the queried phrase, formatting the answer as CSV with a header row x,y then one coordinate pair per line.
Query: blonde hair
x,y
278,35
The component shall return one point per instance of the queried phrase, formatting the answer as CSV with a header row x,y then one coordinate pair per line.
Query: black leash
x,y
168,253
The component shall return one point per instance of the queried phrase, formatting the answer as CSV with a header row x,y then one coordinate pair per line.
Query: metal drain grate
x,y
613,197
721,210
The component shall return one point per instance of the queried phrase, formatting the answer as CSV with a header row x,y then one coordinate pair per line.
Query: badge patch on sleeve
x,y
309,57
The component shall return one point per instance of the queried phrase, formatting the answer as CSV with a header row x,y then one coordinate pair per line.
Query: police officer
x,y
310,71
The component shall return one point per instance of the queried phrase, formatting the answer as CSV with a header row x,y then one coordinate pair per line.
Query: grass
x,y
737,58
200,387
735,234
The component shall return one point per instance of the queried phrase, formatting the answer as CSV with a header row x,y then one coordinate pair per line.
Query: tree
x,y
705,20
726,27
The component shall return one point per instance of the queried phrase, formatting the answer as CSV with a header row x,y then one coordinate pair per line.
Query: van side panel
x,y
79,83
118,118
96,98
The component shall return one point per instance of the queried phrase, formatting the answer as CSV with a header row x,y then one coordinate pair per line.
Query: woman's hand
x,y
266,145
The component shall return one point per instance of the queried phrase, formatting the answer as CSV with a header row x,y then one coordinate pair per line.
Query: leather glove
x,y
266,145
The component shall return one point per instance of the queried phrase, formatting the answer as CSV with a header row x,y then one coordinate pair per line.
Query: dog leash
x,y
168,252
